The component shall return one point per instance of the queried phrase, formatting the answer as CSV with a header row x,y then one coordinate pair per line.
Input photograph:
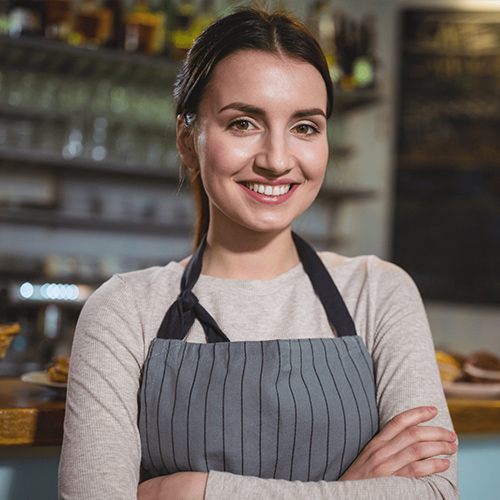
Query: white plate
x,y
473,391
41,378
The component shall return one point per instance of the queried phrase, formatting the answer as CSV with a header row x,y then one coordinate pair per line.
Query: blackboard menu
x,y
447,210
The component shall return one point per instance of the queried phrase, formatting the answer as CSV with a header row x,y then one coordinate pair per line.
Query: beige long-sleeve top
x,y
101,452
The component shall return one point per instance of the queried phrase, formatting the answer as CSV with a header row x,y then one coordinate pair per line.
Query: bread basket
x,y
7,333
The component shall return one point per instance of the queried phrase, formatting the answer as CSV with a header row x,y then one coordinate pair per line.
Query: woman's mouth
x,y
270,194
266,189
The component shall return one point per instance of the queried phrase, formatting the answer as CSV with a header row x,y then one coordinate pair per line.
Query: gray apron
x,y
299,409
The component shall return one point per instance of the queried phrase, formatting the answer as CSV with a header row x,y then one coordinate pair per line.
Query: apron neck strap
x,y
183,312
326,289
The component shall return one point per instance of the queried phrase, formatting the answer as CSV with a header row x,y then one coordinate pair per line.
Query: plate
x,y
41,378
472,391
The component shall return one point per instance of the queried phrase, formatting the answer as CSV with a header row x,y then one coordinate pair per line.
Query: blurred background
x,y
89,173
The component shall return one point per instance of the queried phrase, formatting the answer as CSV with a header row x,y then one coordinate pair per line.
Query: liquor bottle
x,y
58,19
322,23
93,24
4,18
116,39
182,36
144,29
347,49
203,18
364,65
26,18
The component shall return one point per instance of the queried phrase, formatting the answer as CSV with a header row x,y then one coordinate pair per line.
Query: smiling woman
x,y
256,368
259,142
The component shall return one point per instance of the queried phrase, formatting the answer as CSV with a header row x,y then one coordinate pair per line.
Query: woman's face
x,y
260,140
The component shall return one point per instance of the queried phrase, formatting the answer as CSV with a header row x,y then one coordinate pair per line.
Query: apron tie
x,y
181,316
182,313
188,300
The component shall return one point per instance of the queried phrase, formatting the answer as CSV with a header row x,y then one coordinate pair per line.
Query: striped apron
x,y
299,409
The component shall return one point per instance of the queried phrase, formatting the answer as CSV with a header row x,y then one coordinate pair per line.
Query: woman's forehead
x,y
260,75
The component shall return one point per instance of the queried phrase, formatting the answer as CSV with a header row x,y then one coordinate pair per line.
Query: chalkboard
x,y
447,209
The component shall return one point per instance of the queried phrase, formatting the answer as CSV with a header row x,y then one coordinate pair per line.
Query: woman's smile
x,y
269,193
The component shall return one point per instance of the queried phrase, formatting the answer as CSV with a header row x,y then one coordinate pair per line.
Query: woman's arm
x,y
390,316
402,448
101,449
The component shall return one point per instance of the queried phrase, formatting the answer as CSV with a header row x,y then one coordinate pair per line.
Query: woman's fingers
x,y
420,434
405,448
423,468
412,456
407,419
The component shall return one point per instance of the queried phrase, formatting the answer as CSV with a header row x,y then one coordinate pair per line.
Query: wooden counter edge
x,y
475,416
31,427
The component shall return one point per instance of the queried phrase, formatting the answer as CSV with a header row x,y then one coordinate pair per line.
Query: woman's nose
x,y
275,155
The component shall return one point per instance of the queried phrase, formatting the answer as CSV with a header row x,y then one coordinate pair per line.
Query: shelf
x,y
51,218
39,53
32,113
475,416
433,49
447,162
114,120
30,158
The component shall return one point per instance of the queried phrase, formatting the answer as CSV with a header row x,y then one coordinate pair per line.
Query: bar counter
x,y
32,415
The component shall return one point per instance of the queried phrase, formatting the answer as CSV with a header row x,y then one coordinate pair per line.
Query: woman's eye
x,y
241,125
306,128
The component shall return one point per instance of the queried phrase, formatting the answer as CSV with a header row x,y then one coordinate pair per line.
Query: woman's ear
x,y
185,144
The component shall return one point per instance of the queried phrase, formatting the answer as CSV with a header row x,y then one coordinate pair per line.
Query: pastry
x,y
449,367
7,333
58,371
483,367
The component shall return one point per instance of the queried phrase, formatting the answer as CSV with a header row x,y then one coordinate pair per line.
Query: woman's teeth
x,y
269,190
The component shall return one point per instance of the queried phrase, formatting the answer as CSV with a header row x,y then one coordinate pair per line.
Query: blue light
x,y
26,290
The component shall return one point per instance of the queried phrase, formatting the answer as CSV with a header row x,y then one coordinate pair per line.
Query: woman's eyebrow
x,y
245,108
303,113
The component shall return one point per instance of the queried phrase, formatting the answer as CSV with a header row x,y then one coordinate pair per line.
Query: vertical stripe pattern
x,y
296,409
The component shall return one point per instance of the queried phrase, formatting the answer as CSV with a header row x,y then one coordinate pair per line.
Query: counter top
x,y
34,415
30,414
471,416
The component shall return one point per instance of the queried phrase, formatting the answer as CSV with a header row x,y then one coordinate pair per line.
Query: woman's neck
x,y
249,254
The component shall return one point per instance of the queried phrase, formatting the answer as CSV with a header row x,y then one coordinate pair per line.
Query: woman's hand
x,y
404,448
178,486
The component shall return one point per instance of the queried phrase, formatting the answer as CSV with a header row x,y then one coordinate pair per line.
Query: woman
x,y
254,368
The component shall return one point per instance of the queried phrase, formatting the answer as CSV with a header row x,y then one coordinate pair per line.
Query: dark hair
x,y
245,29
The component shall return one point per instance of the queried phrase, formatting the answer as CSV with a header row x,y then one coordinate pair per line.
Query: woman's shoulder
x,y
141,285
363,268
151,275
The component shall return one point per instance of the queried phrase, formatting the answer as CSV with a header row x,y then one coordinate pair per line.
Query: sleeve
x,y
101,450
399,338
